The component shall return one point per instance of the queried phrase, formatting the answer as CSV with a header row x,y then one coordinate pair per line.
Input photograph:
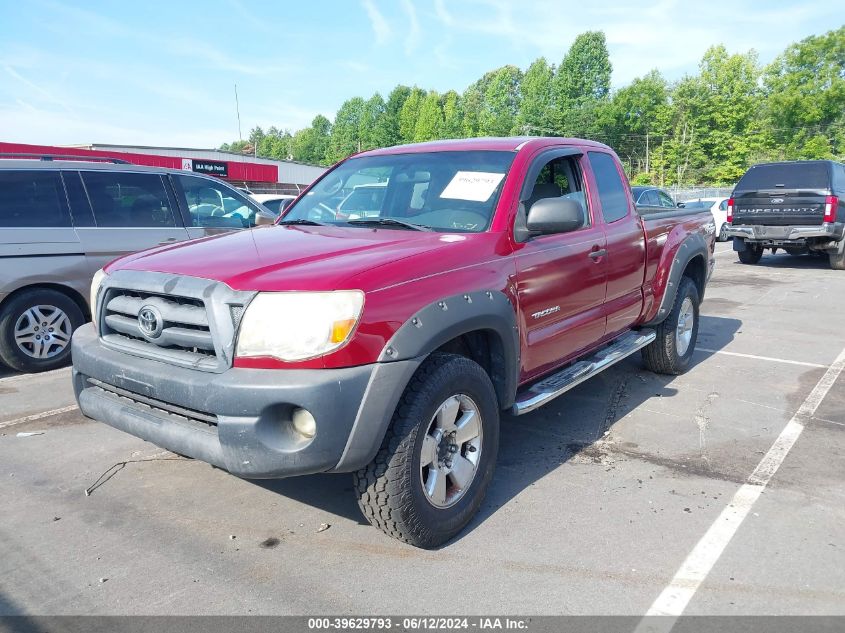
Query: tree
x,y
408,115
395,100
430,118
501,102
451,127
805,97
374,129
640,114
311,144
581,80
535,108
345,136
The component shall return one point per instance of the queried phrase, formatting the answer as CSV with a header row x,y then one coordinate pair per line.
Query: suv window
x,y
559,178
798,175
665,200
611,190
214,204
125,199
32,199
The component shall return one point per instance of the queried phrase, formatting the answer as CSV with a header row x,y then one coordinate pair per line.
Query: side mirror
x,y
262,218
555,215
681,205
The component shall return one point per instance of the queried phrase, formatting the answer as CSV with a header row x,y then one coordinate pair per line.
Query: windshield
x,y
444,191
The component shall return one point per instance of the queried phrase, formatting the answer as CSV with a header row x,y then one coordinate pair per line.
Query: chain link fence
x,y
681,194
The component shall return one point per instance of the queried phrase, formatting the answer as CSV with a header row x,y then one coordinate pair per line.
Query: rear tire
x,y
428,444
35,329
837,259
723,233
751,254
671,352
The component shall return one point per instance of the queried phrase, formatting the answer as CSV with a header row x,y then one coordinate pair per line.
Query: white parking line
x,y
22,377
753,356
676,596
38,416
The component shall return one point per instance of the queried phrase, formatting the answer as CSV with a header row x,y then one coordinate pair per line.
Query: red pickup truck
x,y
482,276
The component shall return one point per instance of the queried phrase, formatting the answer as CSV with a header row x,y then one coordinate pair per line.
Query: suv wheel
x,y
723,233
35,329
436,461
672,350
837,259
751,254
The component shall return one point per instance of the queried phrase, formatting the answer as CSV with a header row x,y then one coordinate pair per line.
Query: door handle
x,y
169,240
595,255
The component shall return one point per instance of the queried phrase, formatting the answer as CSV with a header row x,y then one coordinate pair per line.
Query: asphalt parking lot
x,y
599,501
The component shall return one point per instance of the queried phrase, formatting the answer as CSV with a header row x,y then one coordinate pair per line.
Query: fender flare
x,y
693,246
441,321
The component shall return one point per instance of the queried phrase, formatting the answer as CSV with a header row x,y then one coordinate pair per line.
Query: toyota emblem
x,y
150,322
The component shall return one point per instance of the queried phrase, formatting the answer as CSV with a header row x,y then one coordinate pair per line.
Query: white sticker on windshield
x,y
476,186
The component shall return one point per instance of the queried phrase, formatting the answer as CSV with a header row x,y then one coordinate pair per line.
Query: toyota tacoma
x,y
493,276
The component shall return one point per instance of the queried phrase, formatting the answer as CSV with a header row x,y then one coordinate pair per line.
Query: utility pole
x,y
647,169
238,111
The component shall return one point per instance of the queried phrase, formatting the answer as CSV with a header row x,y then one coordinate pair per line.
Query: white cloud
x,y
381,28
414,32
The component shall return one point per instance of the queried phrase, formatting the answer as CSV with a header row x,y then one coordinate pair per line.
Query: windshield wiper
x,y
301,221
389,222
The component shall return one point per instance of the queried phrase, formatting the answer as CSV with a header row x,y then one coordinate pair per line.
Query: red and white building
x,y
260,175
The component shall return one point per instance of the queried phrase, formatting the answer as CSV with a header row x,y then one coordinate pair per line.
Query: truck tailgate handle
x,y
596,254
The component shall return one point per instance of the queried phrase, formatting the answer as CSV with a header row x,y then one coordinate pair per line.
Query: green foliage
x,y
703,129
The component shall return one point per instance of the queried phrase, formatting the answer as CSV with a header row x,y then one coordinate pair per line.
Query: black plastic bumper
x,y
240,419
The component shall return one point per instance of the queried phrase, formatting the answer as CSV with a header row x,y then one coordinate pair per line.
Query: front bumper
x,y
240,419
777,235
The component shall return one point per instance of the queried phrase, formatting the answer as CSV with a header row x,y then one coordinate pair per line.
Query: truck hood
x,y
290,257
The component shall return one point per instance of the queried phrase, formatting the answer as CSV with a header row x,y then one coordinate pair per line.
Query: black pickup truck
x,y
798,206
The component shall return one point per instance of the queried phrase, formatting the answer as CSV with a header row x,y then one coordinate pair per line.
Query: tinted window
x,y
649,199
665,200
32,198
801,175
128,199
614,201
274,205
723,205
213,204
80,209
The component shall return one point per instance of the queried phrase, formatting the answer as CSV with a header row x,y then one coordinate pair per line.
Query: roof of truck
x,y
487,143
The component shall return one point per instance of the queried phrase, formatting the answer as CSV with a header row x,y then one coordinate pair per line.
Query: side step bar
x,y
552,386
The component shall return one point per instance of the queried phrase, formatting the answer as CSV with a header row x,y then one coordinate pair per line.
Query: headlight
x,y
298,325
95,289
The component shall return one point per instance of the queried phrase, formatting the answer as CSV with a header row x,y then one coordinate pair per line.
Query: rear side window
x,y
807,175
123,200
611,190
665,200
32,199
649,199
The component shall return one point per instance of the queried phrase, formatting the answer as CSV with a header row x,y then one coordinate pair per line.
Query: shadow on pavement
x,y
567,426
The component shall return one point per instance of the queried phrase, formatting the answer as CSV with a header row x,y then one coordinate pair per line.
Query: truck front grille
x,y
187,321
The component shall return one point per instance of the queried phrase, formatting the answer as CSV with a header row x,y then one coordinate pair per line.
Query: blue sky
x,y
163,73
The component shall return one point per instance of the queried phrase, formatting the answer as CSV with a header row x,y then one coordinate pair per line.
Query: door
x,y
211,207
560,278
625,266
130,211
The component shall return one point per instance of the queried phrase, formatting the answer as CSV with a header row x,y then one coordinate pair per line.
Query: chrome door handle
x,y
599,253
169,240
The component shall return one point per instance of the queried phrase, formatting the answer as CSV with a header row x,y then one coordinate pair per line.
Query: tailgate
x,y
779,208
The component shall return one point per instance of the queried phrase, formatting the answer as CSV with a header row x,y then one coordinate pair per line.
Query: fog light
x,y
304,423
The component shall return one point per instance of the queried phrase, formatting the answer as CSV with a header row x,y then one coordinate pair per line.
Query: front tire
x,y
35,329
436,461
751,254
671,352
